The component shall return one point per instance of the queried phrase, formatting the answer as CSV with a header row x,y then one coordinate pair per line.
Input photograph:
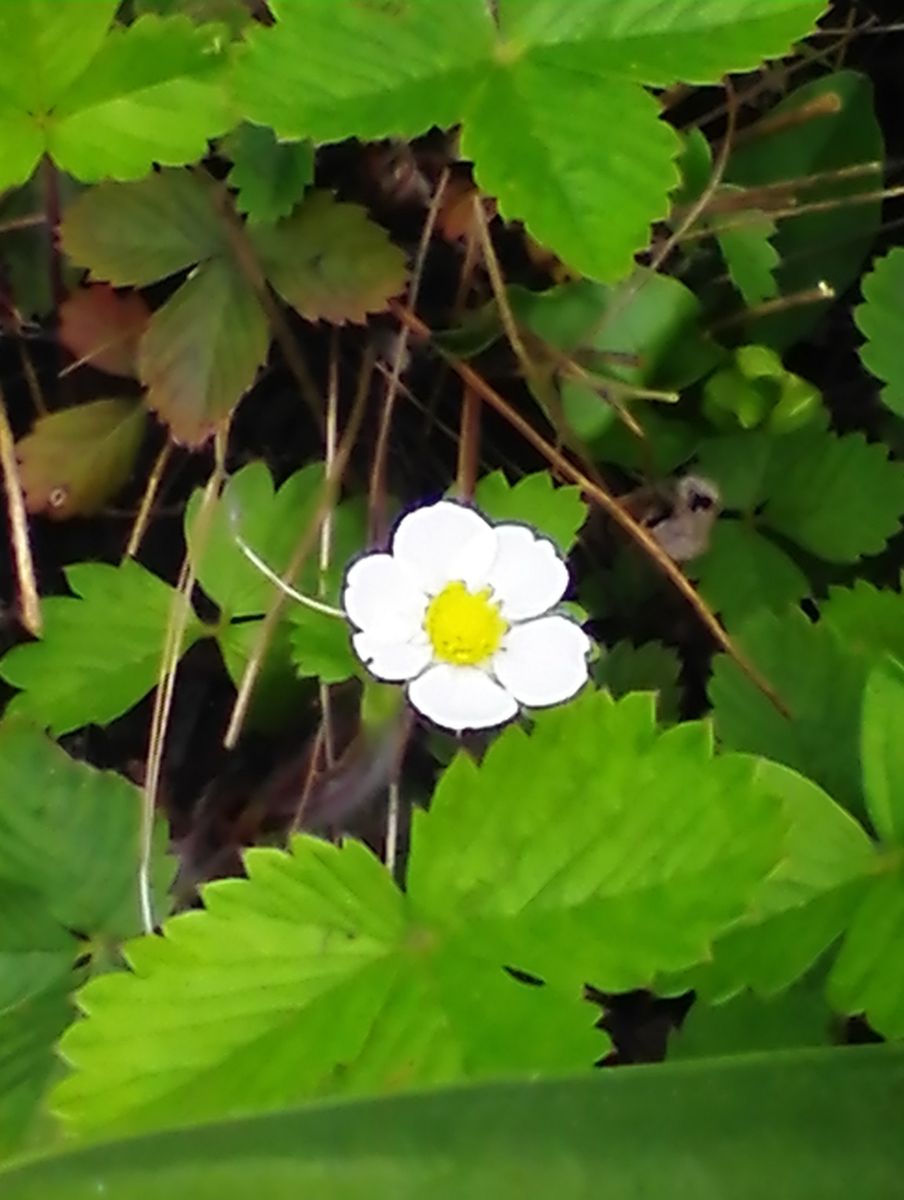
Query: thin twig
x,y
799,210
600,496
381,450
143,516
468,444
166,683
326,529
29,601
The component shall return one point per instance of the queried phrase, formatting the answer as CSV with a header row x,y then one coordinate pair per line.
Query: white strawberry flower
x,y
463,612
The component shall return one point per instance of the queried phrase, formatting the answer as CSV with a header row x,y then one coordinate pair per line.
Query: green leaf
x,y
692,861
106,106
278,693
868,618
202,350
100,651
651,667
882,750
56,815
315,968
743,572
321,646
867,975
137,233
801,908
751,258
818,678
557,512
796,1018
552,108
270,176
826,1117
827,246
881,321
838,497
234,14
330,261
76,459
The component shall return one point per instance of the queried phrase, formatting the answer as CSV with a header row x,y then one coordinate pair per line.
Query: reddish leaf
x,y
102,326
202,350
74,460
330,262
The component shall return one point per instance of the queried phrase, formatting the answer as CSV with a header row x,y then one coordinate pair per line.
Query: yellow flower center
x,y
464,628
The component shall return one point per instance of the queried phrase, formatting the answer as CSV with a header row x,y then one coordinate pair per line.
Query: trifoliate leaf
x,y
270,176
881,320
552,106
882,749
318,975
868,618
819,678
330,262
137,233
100,651
557,512
202,351
743,571
642,870
314,975
651,667
102,327
77,459
802,908
106,104
828,246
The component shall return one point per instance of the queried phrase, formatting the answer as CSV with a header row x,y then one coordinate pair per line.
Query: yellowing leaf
x,y
102,327
74,460
330,262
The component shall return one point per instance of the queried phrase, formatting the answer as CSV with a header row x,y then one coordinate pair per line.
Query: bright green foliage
x,y
76,459
557,512
100,651
882,749
330,261
272,523
554,115
651,667
235,15
838,498
881,320
827,246
801,908
104,104
269,176
570,1138
56,816
755,390
318,974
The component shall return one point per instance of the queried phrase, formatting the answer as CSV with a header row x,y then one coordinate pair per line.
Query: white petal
x,y
394,662
543,662
461,698
445,542
528,577
381,598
